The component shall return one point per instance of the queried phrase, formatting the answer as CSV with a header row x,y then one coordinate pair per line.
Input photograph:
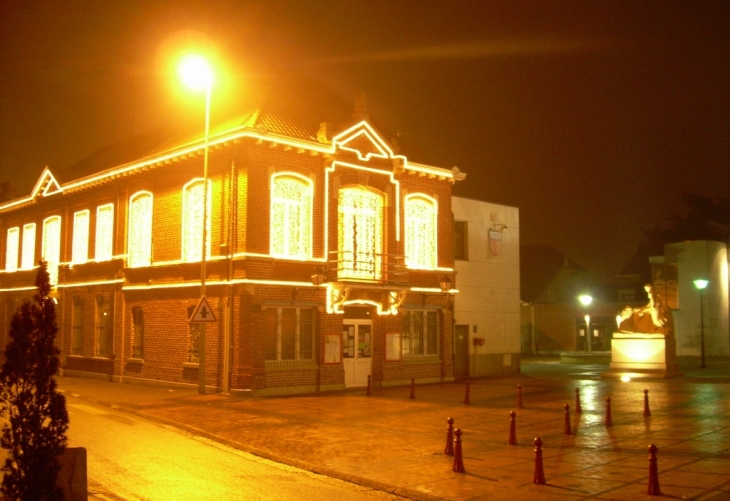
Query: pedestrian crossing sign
x,y
203,313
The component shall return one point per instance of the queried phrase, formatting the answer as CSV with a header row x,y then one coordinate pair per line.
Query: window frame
x,y
77,325
136,234
12,250
301,354
137,332
79,240
103,342
429,342
191,237
419,237
27,254
104,237
302,209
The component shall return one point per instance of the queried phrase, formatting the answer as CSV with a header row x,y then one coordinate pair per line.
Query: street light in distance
x,y
586,300
702,284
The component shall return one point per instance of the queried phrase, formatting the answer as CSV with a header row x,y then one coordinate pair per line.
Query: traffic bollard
x,y
647,412
539,477
512,428
653,489
608,421
566,428
449,449
458,461
578,409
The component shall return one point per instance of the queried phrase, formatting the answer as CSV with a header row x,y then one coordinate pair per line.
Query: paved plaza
x,y
391,442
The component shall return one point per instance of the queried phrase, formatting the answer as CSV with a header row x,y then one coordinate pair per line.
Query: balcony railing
x,y
369,267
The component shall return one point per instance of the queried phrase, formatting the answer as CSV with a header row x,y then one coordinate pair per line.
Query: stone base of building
x,y
643,356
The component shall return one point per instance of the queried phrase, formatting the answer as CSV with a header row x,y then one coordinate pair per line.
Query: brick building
x,y
329,258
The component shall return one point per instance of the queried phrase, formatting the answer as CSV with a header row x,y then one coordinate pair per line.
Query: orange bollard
x,y
449,449
519,396
413,389
653,489
458,461
647,412
467,400
368,393
566,428
578,409
512,430
609,421
539,477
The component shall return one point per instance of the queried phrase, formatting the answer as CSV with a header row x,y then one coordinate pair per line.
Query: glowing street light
x,y
701,284
586,301
196,73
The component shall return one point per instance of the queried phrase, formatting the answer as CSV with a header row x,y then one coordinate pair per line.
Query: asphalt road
x,y
132,459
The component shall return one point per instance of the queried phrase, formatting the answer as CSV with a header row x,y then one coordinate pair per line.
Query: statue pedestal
x,y
641,355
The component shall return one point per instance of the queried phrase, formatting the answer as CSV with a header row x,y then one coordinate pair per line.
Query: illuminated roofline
x,y
96,282
434,289
236,281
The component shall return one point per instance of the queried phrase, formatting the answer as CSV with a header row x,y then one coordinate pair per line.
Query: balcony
x,y
368,267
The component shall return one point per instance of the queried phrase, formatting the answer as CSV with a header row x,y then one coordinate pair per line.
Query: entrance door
x,y
461,352
357,351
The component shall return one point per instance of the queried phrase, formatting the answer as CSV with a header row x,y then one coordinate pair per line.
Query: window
x,y
103,326
360,239
193,338
80,244
461,240
27,259
291,216
104,232
420,211
11,249
192,224
420,334
77,326
139,246
52,246
289,335
138,338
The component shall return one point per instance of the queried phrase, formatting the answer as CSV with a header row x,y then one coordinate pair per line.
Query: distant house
x,y
552,318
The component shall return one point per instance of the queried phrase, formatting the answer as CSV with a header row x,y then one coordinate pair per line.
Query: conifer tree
x,y
33,412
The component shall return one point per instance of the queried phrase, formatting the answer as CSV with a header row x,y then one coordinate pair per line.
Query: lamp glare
x,y
195,72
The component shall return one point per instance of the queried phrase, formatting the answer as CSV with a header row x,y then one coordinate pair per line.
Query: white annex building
x,y
487,307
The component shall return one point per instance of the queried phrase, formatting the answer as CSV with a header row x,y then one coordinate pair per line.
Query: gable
x,y
362,140
46,185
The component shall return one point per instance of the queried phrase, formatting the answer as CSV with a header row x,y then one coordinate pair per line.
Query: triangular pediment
x,y
362,140
46,185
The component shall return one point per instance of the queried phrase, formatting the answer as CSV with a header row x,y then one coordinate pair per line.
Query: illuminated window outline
x,y
191,237
80,239
51,246
421,231
27,258
12,244
139,243
291,241
352,203
104,239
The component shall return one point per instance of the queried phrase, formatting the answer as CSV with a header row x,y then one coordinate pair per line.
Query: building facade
x,y
487,308
325,262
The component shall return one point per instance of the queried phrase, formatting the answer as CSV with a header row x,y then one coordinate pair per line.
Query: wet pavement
x,y
393,443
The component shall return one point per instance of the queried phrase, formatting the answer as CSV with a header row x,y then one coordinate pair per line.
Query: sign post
x,y
202,314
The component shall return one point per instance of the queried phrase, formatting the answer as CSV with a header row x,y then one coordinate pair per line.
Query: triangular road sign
x,y
203,313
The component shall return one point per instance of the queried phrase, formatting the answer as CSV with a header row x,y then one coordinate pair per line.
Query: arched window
x,y
360,235
139,244
52,246
11,249
192,224
27,258
421,231
104,232
291,216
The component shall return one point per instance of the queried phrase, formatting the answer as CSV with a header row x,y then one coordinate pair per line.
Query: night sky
x,y
592,117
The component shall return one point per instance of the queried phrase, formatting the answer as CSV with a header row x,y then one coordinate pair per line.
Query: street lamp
x,y
195,72
701,284
586,301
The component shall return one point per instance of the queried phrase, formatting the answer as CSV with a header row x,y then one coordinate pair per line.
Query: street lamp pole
x,y
701,285
586,300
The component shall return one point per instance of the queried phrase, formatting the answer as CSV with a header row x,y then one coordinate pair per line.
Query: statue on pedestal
x,y
654,318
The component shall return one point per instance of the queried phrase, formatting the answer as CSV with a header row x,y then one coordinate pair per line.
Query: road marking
x,y
89,409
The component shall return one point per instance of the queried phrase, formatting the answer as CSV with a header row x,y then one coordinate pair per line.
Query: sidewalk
x,y
389,442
